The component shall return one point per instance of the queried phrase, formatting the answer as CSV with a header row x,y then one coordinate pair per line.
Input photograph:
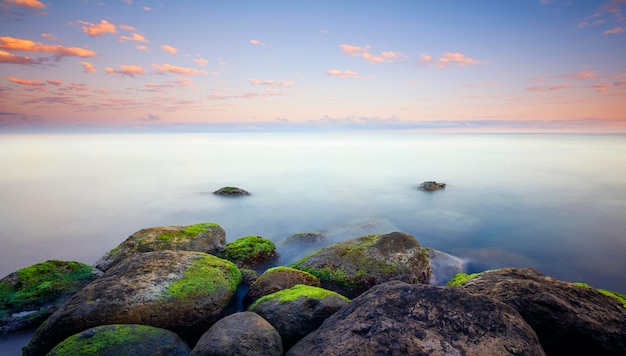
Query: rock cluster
x,y
167,299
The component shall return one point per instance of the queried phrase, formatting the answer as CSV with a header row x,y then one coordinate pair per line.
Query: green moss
x,y
460,278
203,277
105,339
189,231
620,297
247,247
296,292
39,283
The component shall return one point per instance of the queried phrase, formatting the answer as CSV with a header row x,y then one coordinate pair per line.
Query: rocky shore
x,y
182,290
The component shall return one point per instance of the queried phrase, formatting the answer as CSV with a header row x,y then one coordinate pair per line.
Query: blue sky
x,y
527,65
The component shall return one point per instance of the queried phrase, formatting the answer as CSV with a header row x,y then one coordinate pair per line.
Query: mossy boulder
x,y
122,340
231,192
297,311
29,295
182,291
275,279
204,237
351,267
250,252
569,318
244,333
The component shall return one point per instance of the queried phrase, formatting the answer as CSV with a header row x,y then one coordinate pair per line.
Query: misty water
x,y
554,202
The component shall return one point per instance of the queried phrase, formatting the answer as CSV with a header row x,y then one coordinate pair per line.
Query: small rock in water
x,y
432,185
231,192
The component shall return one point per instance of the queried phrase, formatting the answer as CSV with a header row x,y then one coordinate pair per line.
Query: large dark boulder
x,y
30,295
122,340
568,318
275,279
204,237
396,318
182,291
244,333
297,311
351,267
250,252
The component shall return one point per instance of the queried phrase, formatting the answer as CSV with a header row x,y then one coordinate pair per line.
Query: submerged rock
x,y
297,311
568,318
304,238
244,333
353,266
432,185
250,252
182,291
231,192
205,237
444,266
122,340
275,279
396,318
30,295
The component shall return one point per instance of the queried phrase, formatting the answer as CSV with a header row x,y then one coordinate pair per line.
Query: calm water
x,y
553,202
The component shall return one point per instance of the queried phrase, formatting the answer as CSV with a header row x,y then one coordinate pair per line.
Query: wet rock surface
x,y
275,279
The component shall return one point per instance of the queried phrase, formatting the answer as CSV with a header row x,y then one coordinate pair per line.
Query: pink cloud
x,y
34,83
364,52
169,49
88,67
425,59
21,45
178,70
343,74
135,37
201,61
130,71
99,29
455,58
272,82
6,57
31,4
54,82
128,28
257,42
49,36
614,31
550,87
353,50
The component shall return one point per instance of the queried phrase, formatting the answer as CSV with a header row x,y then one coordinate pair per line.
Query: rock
x,y
204,237
304,238
568,318
275,279
297,311
396,318
182,291
231,192
250,252
248,276
444,266
244,333
31,294
122,340
351,267
431,185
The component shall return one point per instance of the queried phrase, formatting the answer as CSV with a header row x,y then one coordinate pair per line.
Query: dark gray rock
x,y
396,318
568,318
244,333
431,185
231,192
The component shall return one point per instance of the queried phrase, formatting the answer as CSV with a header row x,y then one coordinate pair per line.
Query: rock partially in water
x,y
432,185
182,291
250,252
122,340
204,237
297,311
304,238
231,192
568,318
30,295
275,279
396,318
351,267
244,333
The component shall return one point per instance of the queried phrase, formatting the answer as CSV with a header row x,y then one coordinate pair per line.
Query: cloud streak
x,y
128,70
98,29
284,84
364,52
178,70
22,45
343,74
169,49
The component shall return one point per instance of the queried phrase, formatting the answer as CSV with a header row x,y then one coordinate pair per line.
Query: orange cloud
x,y
98,29
178,70
364,53
458,58
135,37
425,59
6,57
201,61
88,67
16,44
614,31
128,28
35,83
344,74
257,42
32,4
130,71
49,36
353,50
169,49
272,82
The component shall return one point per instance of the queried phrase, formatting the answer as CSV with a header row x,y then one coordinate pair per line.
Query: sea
x,y
553,202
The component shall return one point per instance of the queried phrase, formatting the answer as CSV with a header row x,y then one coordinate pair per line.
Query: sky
x,y
515,65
